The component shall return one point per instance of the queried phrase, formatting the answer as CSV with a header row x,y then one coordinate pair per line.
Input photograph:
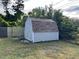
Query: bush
x,y
3,23
67,27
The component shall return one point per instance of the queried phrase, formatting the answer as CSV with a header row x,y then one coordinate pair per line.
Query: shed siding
x,y
28,30
46,36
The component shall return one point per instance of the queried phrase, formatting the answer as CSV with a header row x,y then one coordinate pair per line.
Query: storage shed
x,y
37,30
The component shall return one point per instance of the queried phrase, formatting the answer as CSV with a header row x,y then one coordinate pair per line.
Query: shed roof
x,y
42,19
44,25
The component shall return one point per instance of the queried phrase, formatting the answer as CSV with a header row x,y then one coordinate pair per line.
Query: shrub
x,y
3,23
67,27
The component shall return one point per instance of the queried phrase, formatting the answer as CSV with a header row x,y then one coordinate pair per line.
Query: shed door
x,y
3,31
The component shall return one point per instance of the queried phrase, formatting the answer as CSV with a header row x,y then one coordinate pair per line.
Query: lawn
x,y
14,49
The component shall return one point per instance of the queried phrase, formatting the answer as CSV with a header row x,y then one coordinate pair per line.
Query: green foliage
x,y
42,12
9,17
67,27
50,12
16,19
58,16
37,12
18,15
3,23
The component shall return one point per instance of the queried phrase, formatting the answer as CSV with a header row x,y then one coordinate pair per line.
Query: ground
x,y
14,49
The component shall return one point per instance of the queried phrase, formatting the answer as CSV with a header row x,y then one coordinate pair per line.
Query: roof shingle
x,y
44,25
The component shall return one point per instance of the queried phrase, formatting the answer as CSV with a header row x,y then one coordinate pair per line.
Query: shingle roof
x,y
41,19
44,25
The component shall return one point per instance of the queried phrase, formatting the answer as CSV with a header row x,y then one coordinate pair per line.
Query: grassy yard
x,y
13,49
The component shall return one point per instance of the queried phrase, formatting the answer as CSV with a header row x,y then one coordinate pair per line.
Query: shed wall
x,y
46,36
28,30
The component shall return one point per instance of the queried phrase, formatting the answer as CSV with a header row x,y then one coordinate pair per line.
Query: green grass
x,y
14,49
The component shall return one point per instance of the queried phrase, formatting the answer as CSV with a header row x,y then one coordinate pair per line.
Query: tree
x,y
3,23
58,17
17,9
50,12
5,4
40,12
9,19
18,5
37,12
67,27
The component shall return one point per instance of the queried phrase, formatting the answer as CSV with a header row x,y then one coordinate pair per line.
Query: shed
x,y
37,30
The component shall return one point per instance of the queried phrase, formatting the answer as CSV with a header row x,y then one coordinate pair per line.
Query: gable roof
x,y
44,25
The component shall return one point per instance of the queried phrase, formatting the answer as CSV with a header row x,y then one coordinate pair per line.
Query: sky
x,y
70,8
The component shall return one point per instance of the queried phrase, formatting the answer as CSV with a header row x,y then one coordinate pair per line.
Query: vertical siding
x,y
28,30
45,36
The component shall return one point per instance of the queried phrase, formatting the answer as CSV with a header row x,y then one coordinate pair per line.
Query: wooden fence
x,y
12,32
3,32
